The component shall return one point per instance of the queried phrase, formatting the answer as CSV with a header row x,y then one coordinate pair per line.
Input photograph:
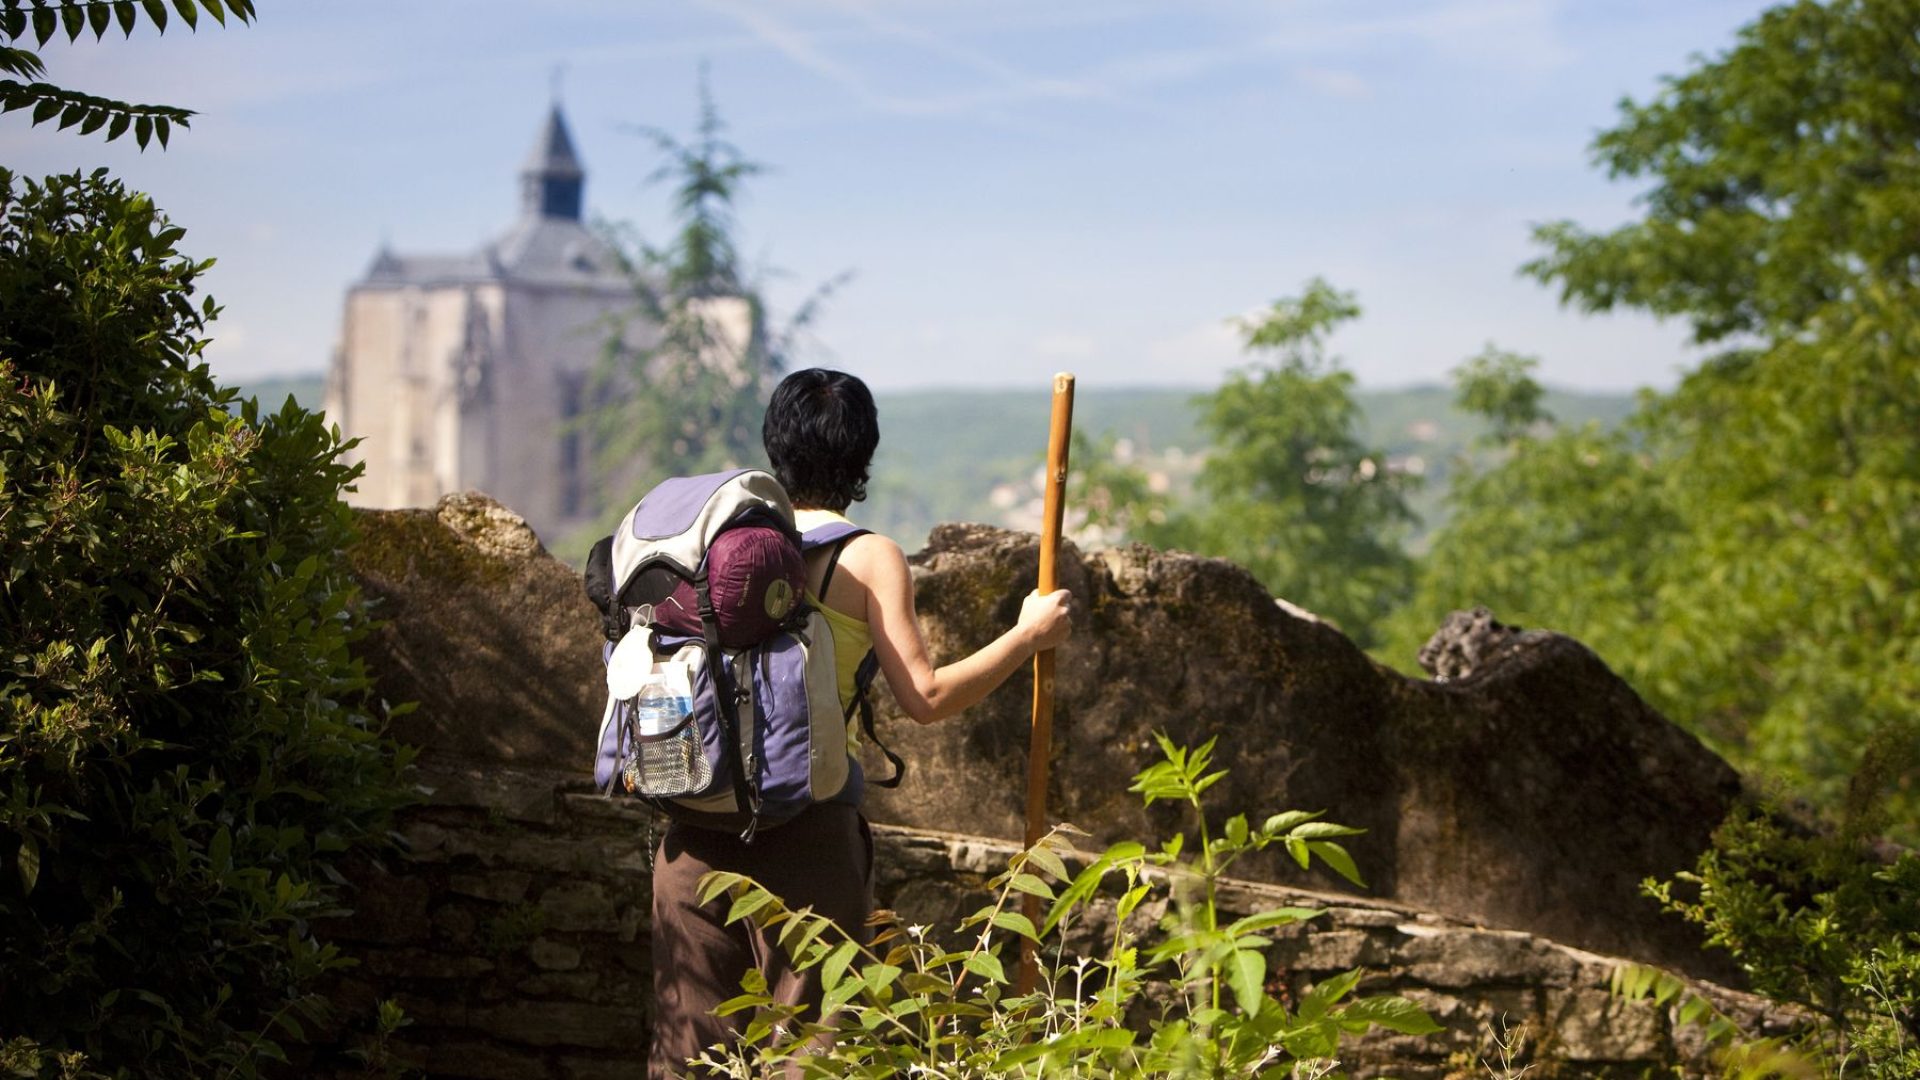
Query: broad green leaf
x,y
1336,857
1049,862
747,903
1326,993
1280,823
1027,883
1246,976
27,860
1272,917
1313,830
715,882
987,966
836,963
1394,1013
1017,923
1236,830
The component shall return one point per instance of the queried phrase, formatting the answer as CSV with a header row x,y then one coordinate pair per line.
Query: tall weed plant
x,y
1118,992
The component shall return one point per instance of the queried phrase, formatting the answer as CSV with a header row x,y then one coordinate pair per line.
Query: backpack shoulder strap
x,y
832,532
837,533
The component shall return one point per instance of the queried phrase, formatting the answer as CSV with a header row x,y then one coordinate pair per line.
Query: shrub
x,y
186,747
1817,920
1191,998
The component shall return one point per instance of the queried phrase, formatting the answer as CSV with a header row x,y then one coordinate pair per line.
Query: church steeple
x,y
552,179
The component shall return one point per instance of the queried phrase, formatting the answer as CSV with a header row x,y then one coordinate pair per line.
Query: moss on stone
x,y
395,545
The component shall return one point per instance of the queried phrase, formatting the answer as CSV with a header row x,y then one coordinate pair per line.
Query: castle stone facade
x,y
465,372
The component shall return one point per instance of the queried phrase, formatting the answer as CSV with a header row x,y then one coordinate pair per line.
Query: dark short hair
x,y
820,433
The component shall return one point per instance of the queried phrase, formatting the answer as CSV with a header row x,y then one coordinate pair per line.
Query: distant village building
x,y
463,372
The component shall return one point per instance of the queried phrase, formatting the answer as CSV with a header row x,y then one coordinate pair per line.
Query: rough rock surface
x,y
514,934
491,635
1534,793
1520,802
1470,640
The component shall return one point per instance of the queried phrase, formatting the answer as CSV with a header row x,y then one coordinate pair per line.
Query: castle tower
x,y
468,372
552,180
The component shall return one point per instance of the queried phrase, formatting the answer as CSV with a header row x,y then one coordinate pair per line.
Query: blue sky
x,y
1017,187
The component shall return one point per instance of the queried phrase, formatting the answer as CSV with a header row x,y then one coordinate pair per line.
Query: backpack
x,y
702,598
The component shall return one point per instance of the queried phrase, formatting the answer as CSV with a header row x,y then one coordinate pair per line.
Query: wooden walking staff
x,y
1040,750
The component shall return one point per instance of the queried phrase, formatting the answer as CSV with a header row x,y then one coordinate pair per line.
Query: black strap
x,y
745,793
833,563
862,680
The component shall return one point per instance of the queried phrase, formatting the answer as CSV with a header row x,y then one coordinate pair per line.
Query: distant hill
x,y
306,389
943,453
975,455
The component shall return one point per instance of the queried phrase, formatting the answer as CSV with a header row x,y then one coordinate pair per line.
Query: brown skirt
x,y
823,858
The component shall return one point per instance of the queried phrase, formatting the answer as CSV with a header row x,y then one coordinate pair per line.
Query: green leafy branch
x,y
1739,1056
908,1003
40,21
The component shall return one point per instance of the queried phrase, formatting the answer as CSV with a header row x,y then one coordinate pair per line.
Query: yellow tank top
x,y
852,638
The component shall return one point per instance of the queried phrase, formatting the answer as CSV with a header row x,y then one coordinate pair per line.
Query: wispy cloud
x,y
1004,86
797,46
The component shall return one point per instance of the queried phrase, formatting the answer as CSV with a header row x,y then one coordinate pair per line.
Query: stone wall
x,y
1511,812
514,934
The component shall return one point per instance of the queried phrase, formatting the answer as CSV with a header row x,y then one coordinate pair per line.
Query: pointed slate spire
x,y
552,179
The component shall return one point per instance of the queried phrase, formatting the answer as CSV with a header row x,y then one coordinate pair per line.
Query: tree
x,y
187,749
1499,386
43,20
1748,551
690,397
1288,489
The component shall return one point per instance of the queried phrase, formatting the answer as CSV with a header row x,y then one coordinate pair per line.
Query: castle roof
x,y
552,153
548,245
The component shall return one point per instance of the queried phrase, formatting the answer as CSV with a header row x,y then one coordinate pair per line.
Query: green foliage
x,y
42,20
186,746
1499,386
1560,527
1745,552
1290,491
1739,1055
1786,174
684,376
1821,921
1190,997
1107,494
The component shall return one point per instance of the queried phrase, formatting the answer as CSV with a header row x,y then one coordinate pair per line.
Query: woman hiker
x,y
820,432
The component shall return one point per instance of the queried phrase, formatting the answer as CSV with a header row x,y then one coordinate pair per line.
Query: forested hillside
x,y
944,454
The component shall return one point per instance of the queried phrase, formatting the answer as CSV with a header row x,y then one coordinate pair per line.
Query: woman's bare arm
x,y
878,570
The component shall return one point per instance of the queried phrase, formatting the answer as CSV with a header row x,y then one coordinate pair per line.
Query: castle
x,y
468,372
